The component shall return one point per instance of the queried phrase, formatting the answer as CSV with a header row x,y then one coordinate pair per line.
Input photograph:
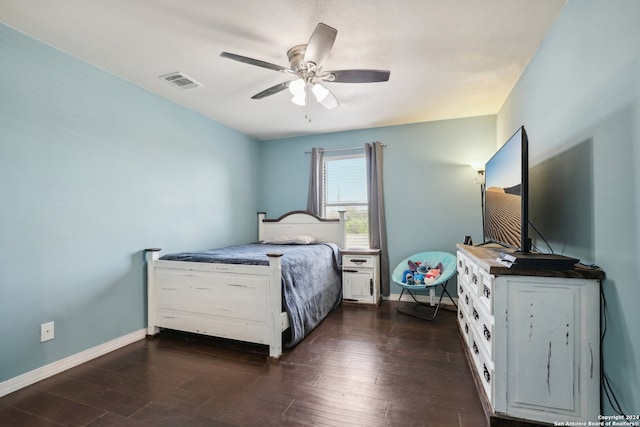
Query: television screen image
x,y
505,194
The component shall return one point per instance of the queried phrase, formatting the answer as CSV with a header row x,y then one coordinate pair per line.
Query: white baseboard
x,y
32,377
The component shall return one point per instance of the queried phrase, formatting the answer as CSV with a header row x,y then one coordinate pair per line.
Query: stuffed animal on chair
x,y
421,273
433,274
412,273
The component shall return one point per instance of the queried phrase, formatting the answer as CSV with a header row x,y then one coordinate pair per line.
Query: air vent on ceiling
x,y
180,80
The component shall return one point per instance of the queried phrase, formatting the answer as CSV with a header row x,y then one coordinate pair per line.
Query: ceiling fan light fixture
x,y
320,92
298,87
300,99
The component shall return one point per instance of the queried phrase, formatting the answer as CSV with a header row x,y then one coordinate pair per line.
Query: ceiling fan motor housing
x,y
296,58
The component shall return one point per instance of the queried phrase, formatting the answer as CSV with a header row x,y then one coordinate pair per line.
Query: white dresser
x,y
532,337
361,276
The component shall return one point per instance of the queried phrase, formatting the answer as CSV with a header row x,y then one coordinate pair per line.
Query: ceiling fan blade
x,y
272,90
358,76
320,44
255,62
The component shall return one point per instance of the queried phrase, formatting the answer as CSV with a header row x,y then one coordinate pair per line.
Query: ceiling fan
x,y
306,61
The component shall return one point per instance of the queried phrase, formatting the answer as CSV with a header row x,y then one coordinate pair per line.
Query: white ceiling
x,y
448,58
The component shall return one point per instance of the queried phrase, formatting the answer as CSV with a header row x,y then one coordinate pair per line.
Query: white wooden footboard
x,y
241,302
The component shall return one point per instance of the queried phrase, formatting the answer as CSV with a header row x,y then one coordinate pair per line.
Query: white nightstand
x,y
361,276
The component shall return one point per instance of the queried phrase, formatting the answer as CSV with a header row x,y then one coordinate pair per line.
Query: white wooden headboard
x,y
303,222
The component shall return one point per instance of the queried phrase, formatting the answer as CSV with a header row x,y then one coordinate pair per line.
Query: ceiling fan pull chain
x,y
307,115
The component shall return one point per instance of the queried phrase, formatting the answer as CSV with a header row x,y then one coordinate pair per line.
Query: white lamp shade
x,y
300,99
477,165
297,87
320,92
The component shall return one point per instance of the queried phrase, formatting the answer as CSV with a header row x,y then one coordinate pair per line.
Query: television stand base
x,y
536,261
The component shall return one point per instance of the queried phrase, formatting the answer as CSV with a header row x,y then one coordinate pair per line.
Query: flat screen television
x,y
506,219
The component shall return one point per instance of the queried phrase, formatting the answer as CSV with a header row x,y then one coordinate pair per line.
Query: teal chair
x,y
430,258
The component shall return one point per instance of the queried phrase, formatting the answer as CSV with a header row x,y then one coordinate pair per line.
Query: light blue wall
x,y
92,170
431,200
579,100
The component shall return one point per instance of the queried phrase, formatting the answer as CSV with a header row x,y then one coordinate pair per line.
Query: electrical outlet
x,y
46,331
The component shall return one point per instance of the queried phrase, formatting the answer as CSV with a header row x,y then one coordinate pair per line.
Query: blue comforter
x,y
311,280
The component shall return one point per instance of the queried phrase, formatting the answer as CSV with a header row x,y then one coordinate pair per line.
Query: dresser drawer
x,y
465,267
475,278
466,299
464,323
462,290
484,326
470,273
483,364
485,291
358,261
461,262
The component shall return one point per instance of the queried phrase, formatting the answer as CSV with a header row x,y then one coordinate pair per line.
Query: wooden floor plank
x,y
360,366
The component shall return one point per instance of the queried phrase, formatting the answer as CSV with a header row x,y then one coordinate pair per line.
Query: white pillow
x,y
291,239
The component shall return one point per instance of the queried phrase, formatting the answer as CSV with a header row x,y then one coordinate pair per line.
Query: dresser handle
x,y
475,279
460,290
475,314
466,299
358,261
349,271
487,334
486,291
371,286
466,328
460,314
466,270
475,348
487,375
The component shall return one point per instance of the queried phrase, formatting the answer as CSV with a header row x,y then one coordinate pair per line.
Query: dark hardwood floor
x,y
360,367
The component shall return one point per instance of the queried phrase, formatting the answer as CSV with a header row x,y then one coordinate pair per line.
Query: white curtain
x,y
377,222
314,200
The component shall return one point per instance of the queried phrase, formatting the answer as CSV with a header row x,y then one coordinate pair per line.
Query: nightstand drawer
x,y
358,261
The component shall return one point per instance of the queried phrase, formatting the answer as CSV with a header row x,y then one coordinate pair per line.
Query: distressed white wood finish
x,y
241,302
534,341
361,276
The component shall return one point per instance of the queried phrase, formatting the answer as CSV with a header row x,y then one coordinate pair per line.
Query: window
x,y
345,189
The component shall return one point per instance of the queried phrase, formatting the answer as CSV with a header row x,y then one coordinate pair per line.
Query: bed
x,y
252,292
